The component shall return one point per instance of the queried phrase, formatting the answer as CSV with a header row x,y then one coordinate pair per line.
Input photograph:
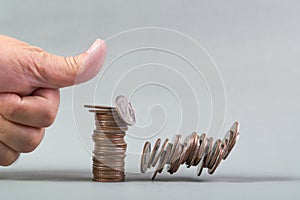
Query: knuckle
x,y
11,107
8,159
73,64
33,141
49,118
34,62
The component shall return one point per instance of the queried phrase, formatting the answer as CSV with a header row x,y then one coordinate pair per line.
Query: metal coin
x,y
214,153
176,159
166,157
188,143
145,157
125,110
154,152
193,148
175,142
208,150
157,157
201,166
218,161
201,150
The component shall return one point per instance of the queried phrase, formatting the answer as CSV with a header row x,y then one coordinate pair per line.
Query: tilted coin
x,y
201,150
201,166
193,149
154,152
166,158
162,161
231,145
145,157
208,150
222,148
176,158
214,153
162,148
125,110
235,128
188,143
175,142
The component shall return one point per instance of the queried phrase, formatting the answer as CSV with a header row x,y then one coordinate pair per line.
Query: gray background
x,y
255,45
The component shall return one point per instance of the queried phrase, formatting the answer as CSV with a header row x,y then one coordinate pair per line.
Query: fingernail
x,y
95,45
93,61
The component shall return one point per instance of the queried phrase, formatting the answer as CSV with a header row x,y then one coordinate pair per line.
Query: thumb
x,y
58,71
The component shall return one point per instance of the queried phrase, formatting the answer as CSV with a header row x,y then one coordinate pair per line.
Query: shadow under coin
x,y
85,176
215,179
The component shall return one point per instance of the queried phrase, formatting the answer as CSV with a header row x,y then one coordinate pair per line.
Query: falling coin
x,y
125,110
145,157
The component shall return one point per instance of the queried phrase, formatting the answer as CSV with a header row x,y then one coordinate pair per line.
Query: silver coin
x,y
158,156
125,110
235,128
166,158
188,143
201,166
208,150
175,142
234,135
154,152
176,158
145,157
193,149
219,159
214,153
201,150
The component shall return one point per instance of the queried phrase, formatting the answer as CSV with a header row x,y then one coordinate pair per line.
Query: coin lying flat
x,y
125,110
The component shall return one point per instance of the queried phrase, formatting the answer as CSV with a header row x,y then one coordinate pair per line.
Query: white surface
x,y
254,43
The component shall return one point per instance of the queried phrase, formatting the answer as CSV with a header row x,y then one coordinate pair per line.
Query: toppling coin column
x,y
194,150
109,138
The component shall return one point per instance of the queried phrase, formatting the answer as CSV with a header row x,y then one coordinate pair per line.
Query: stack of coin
x,y
194,150
110,146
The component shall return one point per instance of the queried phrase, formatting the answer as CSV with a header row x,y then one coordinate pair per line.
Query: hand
x,y
30,79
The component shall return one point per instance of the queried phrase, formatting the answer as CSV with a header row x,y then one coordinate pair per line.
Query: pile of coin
x,y
194,150
109,138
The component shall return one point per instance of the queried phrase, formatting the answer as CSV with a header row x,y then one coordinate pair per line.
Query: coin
x,y
222,148
154,152
99,107
175,142
176,158
166,157
110,146
214,153
201,149
125,110
201,166
157,157
188,143
208,150
145,157
163,160
193,148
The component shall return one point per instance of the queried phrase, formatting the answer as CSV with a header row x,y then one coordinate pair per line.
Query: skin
x,y
30,79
